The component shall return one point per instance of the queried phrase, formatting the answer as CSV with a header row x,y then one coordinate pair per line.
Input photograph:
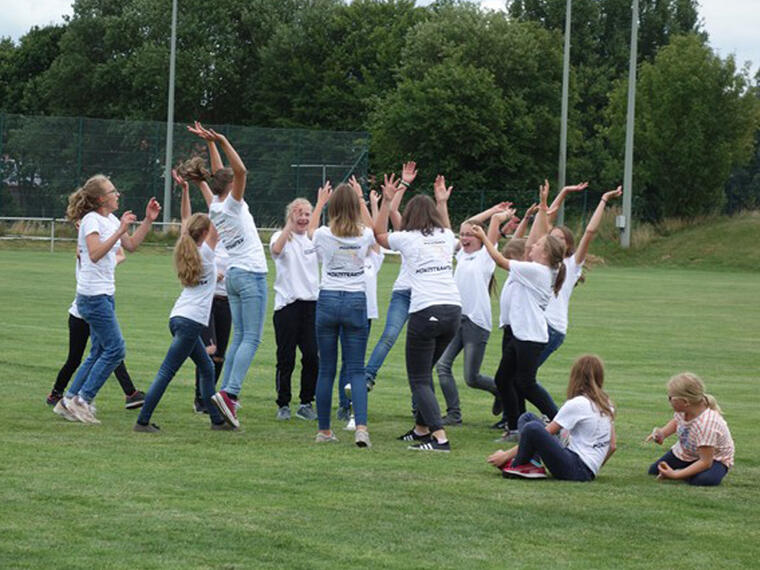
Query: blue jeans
x,y
707,478
247,294
107,347
186,342
341,316
398,313
535,441
343,400
556,339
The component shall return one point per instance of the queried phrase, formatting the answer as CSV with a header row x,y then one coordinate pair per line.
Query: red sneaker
x,y
527,471
227,407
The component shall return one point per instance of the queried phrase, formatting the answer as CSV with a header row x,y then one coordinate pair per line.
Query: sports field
x,y
76,496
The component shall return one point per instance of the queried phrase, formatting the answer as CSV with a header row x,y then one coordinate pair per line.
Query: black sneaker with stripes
x,y
411,436
431,445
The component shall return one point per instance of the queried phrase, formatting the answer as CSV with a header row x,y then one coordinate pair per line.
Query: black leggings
x,y
516,378
79,332
217,333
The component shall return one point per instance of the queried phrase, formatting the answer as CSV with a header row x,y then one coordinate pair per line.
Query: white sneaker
x,y
351,425
361,438
61,410
81,410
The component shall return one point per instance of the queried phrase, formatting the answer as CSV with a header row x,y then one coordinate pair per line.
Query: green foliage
x,y
695,120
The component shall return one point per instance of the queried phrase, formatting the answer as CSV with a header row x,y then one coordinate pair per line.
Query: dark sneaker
x,y
150,428
501,424
224,426
497,408
412,436
199,407
53,398
509,436
227,407
370,384
432,445
449,420
527,471
283,413
306,412
134,400
343,413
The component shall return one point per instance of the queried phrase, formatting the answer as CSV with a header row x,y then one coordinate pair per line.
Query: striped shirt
x,y
708,429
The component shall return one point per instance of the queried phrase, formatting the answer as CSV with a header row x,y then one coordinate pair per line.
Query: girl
x,y
704,451
342,304
296,289
523,301
474,278
79,332
100,236
427,243
196,269
247,267
587,414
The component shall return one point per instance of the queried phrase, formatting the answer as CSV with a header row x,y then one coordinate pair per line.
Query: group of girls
x,y
448,311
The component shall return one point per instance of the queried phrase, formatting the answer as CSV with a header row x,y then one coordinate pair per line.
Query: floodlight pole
x,y
167,206
563,125
625,234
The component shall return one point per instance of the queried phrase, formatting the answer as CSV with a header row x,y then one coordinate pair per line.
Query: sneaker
x,y
370,384
361,438
283,413
351,425
53,398
501,424
81,410
449,420
134,400
347,390
227,407
343,414
497,408
322,438
306,412
149,428
509,436
412,436
224,426
199,407
527,471
61,410
432,445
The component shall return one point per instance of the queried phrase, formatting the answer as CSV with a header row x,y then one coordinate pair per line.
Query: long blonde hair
x,y
690,387
86,198
345,212
587,379
187,258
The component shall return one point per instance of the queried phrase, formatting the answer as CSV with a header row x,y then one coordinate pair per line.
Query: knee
x,y
526,419
653,468
531,428
705,479
471,379
443,368
118,350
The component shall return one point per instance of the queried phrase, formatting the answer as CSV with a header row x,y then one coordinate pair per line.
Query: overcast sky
x,y
733,25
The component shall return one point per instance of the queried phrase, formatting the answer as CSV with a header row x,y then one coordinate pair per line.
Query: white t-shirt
x,y
194,303
372,264
430,266
524,298
556,310
97,278
222,259
404,279
590,431
73,309
342,259
472,275
297,269
238,234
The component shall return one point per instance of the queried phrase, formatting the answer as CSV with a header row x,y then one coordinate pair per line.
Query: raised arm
x,y
486,214
213,152
523,225
557,203
390,189
374,204
323,195
366,216
498,218
284,236
500,260
184,208
593,224
131,243
540,225
442,193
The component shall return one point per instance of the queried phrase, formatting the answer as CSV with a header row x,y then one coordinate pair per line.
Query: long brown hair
x,y
345,212
514,249
690,387
555,251
567,234
587,379
187,258
86,198
420,214
196,170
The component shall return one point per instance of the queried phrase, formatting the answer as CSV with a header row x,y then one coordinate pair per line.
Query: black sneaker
x,y
134,400
432,445
53,398
199,407
149,428
500,425
411,436
224,426
449,420
497,408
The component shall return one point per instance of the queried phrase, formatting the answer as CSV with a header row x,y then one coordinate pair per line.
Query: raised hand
x,y
408,172
441,191
354,183
374,198
324,193
206,134
576,187
616,193
389,188
511,225
179,180
543,193
127,219
152,210
479,232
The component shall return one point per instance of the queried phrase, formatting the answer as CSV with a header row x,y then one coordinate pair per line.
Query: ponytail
x,y
187,258
690,387
712,403
86,198
556,254
194,169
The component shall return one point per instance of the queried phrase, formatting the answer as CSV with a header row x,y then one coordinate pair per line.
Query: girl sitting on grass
x,y
704,451
588,416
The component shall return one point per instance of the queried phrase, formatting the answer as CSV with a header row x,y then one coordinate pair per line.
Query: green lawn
x,y
76,496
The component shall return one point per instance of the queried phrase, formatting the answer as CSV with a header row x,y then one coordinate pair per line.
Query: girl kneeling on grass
x,y
587,415
704,451
196,269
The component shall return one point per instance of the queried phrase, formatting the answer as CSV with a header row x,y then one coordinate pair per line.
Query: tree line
x,y
471,93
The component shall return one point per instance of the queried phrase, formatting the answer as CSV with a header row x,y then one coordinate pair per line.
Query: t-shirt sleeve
x,y
207,253
486,261
399,241
90,225
233,206
572,411
369,236
706,437
527,272
451,238
274,238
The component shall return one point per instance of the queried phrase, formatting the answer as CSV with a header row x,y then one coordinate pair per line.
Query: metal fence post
x,y
79,150
52,235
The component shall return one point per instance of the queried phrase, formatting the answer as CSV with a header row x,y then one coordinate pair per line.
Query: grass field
x,y
76,496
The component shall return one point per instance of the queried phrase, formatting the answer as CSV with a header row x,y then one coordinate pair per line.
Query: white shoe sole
x,y
60,410
226,412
